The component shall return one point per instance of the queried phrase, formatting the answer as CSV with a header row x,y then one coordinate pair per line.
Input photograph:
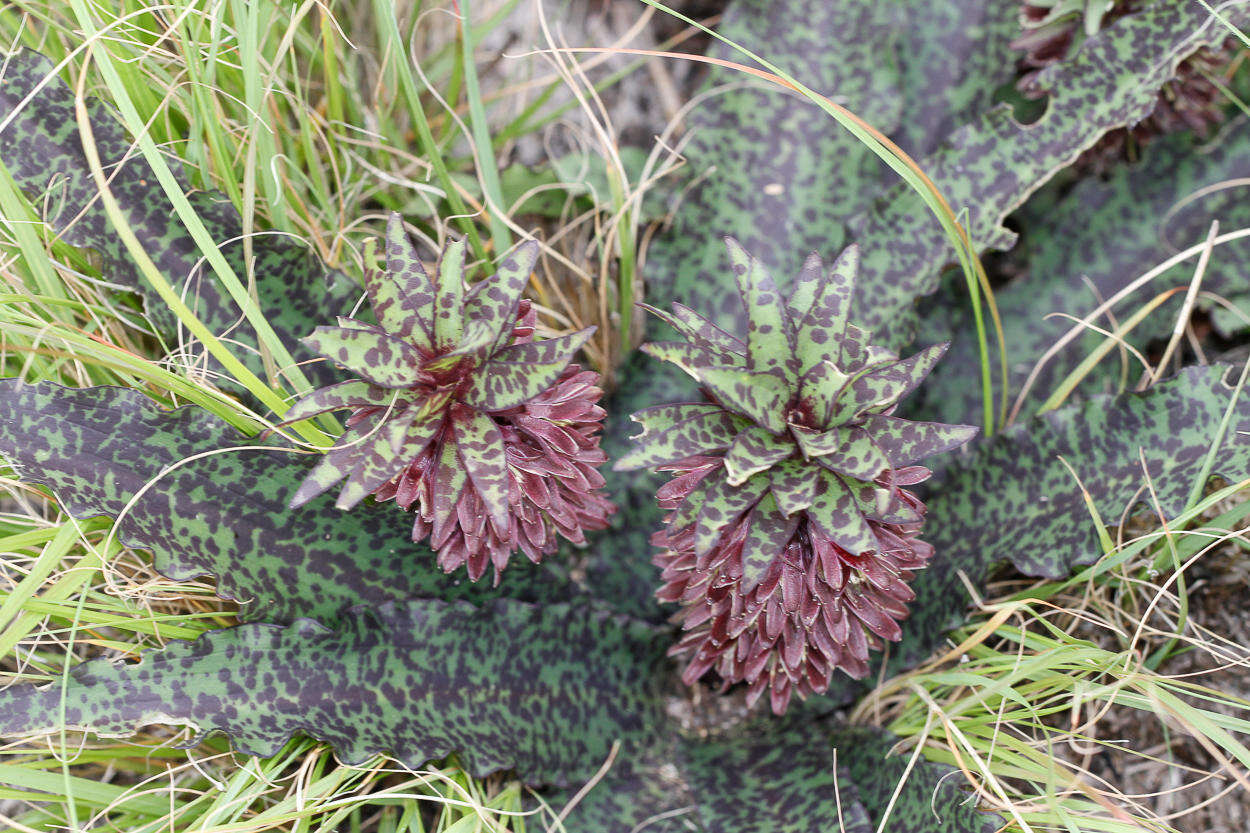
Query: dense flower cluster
x,y
459,410
817,609
790,538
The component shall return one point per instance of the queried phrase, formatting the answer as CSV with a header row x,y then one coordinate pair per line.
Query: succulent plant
x,y
789,540
457,409
1054,29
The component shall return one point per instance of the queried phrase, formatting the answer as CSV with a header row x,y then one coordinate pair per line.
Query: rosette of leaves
x,y
459,410
789,539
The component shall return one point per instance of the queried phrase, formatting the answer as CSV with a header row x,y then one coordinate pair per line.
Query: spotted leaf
x,y
480,446
794,485
518,373
705,431
768,529
449,297
378,358
803,775
402,297
881,388
493,304
721,506
542,690
351,394
904,442
770,333
754,450
698,330
202,505
42,150
823,317
759,396
691,357
836,513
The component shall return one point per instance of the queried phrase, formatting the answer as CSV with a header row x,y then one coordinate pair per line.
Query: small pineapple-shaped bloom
x,y
493,435
790,539
1053,30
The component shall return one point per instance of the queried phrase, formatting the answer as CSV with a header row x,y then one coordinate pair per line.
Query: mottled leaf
x,y
932,798
800,777
847,450
888,385
992,165
704,432
336,397
794,484
224,513
904,442
836,514
480,446
754,450
761,397
823,316
518,373
543,690
492,305
402,297
381,359
698,330
770,168
820,386
770,332
1015,499
881,504
1081,244
376,464
723,504
691,357
42,149
450,477
449,297
768,530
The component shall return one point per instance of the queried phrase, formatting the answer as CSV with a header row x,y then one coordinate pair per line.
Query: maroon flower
x,y
495,436
818,607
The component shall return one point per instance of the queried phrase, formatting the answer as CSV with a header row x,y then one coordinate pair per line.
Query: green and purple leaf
x,y
402,296
761,397
904,442
492,303
384,360
836,514
356,393
1014,498
768,530
449,297
991,166
794,485
664,439
723,504
1084,242
224,513
541,690
823,309
754,450
518,373
770,332
480,445
800,776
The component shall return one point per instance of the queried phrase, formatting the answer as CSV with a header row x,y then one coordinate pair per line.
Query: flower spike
x,y
457,409
789,540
